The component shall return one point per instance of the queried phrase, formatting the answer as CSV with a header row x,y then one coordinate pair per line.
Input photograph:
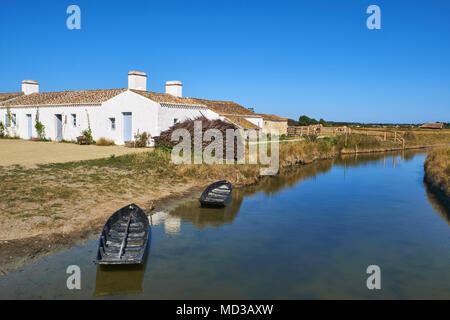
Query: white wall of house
x,y
169,115
146,115
47,115
256,121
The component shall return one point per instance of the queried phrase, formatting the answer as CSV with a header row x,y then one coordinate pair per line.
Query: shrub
x,y
2,130
165,138
88,134
410,136
105,142
142,139
311,137
40,128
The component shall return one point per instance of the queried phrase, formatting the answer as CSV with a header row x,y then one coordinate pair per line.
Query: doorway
x,y
59,133
30,126
127,126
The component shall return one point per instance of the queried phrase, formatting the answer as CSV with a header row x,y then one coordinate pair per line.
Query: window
x,y
112,122
74,120
7,123
14,119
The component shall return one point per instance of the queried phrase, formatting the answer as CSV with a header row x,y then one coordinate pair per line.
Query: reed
x,y
437,171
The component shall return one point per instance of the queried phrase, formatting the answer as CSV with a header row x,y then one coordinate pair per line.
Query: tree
x,y
306,121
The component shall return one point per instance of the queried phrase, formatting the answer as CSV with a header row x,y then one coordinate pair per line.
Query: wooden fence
x,y
384,135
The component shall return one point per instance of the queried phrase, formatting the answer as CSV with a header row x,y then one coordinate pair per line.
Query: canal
x,y
309,233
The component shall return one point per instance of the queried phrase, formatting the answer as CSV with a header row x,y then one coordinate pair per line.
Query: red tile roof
x,y
65,97
4,96
272,117
102,95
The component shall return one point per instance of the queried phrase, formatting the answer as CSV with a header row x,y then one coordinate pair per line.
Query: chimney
x,y
174,88
137,80
30,86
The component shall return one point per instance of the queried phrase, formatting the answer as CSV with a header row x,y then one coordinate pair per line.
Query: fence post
x,y
346,137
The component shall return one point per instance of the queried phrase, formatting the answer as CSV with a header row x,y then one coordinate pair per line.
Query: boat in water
x,y
124,237
217,194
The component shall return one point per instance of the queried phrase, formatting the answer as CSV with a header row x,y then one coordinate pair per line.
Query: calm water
x,y
309,233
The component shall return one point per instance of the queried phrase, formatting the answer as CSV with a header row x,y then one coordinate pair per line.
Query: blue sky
x,y
286,57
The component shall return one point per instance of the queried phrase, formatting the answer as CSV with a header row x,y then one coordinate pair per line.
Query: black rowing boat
x,y
217,194
124,237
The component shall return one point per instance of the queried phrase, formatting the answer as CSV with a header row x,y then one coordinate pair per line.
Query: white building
x,y
115,114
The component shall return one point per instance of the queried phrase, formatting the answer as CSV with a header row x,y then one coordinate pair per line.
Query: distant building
x,y
432,126
305,130
273,122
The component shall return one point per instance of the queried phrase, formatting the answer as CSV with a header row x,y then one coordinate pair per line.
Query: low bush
x,y
104,142
311,137
88,134
142,140
2,130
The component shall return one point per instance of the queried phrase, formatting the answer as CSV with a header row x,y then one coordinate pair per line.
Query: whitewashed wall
x,y
147,115
144,118
144,114
47,116
168,114
256,121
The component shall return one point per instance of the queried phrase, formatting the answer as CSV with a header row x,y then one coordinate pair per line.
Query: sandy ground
x,y
31,153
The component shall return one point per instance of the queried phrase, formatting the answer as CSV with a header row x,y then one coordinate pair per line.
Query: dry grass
x,y
74,196
437,171
426,138
104,142
64,196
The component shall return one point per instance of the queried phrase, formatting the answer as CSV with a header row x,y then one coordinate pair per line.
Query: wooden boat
x,y
217,194
124,237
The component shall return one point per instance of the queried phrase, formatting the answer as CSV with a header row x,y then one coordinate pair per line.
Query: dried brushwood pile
x,y
165,139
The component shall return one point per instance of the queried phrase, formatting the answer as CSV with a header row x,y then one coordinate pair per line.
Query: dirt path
x,y
30,153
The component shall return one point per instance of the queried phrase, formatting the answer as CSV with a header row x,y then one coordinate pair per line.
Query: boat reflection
x,y
113,280
208,217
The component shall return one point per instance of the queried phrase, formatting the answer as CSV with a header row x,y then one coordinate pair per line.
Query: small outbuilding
x,y
274,122
432,126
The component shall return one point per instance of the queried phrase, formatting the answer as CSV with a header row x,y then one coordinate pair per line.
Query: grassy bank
x,y
74,196
437,172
